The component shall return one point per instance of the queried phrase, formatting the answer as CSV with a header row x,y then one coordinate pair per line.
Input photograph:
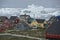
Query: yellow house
x,y
38,23
41,25
34,23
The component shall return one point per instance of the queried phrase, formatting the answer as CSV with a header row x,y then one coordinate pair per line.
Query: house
x,y
2,28
30,20
24,17
34,23
53,32
2,18
38,23
51,20
57,17
14,19
22,26
6,24
46,24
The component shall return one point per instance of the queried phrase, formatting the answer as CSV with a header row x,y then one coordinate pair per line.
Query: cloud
x,y
9,11
56,13
32,10
41,12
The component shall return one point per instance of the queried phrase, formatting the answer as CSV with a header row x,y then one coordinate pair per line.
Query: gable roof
x,y
22,26
3,17
30,20
40,20
13,17
58,17
54,28
24,15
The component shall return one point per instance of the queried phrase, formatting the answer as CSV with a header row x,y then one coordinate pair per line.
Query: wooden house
x,y
24,17
2,18
38,23
14,19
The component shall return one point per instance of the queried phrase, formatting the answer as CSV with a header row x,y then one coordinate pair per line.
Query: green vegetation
x,y
34,33
13,38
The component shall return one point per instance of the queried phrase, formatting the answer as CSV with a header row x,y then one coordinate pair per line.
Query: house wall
x,y
34,23
41,25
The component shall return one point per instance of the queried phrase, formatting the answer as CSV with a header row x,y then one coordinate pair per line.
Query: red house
x,y
14,19
6,24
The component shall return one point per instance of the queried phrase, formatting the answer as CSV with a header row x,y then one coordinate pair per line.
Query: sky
x,y
38,8
25,3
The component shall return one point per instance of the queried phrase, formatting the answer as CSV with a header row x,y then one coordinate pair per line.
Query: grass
x,y
34,33
14,38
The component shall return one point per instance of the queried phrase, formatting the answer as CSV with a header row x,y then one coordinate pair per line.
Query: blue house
x,y
30,20
22,26
58,17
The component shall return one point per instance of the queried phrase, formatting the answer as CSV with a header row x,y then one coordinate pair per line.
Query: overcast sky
x,y
40,8
25,3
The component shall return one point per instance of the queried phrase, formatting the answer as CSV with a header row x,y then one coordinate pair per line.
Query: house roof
x,y
58,17
40,20
30,20
24,15
13,17
22,26
54,28
53,18
3,17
